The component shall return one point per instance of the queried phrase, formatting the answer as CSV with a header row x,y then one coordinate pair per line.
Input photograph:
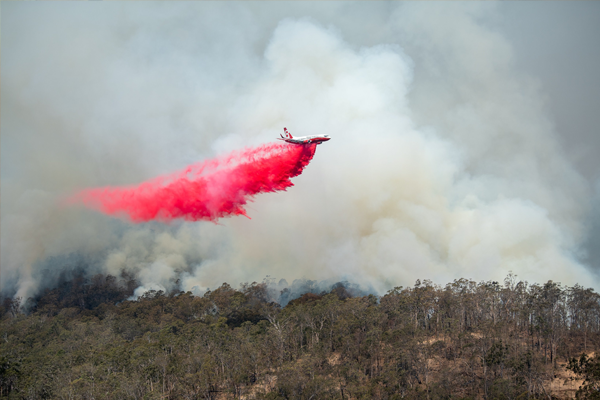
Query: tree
x,y
589,370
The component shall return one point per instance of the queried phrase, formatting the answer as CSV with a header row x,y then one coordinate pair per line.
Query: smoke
x,y
444,161
207,191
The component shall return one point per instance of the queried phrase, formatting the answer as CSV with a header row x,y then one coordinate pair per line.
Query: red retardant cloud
x,y
206,191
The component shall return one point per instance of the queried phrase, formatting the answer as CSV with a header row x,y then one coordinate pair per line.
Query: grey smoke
x,y
453,154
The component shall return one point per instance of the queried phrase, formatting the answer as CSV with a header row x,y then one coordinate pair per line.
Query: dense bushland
x,y
463,340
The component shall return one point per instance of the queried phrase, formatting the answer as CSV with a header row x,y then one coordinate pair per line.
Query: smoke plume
x,y
206,191
446,160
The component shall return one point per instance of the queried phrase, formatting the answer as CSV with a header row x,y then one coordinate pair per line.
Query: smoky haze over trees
x,y
84,339
464,145
461,140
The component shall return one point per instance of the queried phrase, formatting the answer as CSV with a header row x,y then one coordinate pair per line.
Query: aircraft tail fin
x,y
287,134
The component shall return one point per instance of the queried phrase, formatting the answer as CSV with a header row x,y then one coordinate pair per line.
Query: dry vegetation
x,y
462,340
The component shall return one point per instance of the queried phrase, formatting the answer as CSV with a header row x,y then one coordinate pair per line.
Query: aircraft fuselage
x,y
318,139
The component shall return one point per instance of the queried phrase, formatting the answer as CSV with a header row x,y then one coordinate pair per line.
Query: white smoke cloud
x,y
443,162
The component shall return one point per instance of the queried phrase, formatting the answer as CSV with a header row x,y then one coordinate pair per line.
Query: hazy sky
x,y
465,138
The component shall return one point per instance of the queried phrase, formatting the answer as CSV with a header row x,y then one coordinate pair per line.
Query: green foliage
x,y
84,339
589,370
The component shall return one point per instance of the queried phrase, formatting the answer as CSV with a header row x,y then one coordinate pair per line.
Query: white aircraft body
x,y
318,139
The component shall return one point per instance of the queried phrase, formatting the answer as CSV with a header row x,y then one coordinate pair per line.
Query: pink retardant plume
x,y
210,190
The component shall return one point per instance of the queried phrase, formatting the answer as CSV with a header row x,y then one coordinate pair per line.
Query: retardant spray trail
x,y
209,190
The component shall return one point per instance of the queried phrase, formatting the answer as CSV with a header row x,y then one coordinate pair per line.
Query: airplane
x,y
318,139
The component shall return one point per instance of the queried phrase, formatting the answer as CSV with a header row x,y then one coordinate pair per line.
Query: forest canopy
x,y
87,338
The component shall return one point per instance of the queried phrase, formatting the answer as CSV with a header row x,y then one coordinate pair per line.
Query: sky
x,y
464,139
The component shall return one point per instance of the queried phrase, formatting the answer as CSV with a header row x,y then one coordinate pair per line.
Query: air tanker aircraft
x,y
318,139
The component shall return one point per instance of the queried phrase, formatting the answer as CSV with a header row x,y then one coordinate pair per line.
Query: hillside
x,y
84,339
